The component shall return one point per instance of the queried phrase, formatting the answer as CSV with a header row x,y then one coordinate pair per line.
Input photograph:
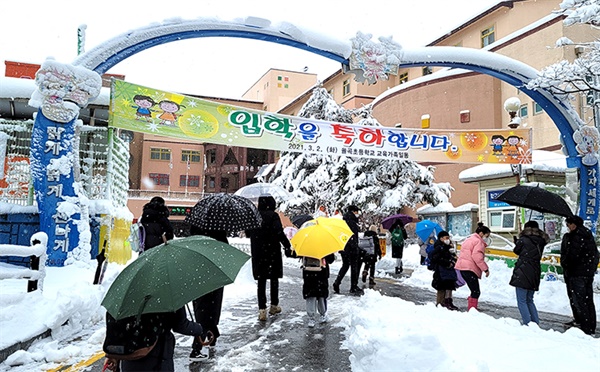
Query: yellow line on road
x,y
77,367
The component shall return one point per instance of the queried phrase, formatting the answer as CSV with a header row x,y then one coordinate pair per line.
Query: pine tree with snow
x,y
379,187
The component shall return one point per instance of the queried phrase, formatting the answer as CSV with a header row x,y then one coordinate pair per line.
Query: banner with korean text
x,y
142,109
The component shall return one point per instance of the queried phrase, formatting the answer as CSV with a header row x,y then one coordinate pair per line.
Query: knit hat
x,y
442,234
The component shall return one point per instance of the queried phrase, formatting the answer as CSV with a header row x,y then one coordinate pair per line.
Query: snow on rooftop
x,y
15,88
544,161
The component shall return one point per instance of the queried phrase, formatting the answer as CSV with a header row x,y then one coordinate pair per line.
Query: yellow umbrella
x,y
320,237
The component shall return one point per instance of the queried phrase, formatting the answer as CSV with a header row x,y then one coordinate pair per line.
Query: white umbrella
x,y
255,190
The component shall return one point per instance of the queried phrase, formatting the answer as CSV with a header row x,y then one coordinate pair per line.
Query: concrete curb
x,y
24,345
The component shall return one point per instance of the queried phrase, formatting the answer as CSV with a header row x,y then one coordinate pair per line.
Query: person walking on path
x,y
527,271
207,308
471,262
267,263
398,236
370,259
155,221
443,260
350,254
579,260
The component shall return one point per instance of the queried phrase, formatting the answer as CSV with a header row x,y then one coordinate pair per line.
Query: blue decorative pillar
x,y
62,91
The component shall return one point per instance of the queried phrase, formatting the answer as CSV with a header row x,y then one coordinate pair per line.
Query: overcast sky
x,y
32,30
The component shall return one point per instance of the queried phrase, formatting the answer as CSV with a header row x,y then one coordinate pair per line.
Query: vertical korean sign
x,y
142,109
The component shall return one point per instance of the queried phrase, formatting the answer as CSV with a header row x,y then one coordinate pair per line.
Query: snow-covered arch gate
x,y
108,54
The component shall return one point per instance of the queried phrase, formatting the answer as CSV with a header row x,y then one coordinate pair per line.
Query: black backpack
x,y
133,337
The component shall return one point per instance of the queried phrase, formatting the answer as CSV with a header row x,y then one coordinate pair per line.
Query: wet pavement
x,y
284,342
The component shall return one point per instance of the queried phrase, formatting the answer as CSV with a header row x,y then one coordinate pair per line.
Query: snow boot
x,y
439,300
472,303
449,305
262,315
275,309
336,287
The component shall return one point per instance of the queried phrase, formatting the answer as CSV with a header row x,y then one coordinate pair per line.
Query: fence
x,y
37,251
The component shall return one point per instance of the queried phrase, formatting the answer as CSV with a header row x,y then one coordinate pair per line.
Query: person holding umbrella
x,y
215,216
579,260
267,264
155,220
350,254
526,274
471,262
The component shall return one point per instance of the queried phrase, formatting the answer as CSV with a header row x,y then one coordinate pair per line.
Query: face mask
x,y
487,240
446,241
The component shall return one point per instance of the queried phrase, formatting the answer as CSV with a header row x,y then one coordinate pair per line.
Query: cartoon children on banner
x,y
143,107
169,115
587,139
497,144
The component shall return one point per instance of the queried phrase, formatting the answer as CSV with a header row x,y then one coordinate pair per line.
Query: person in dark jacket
x,y
160,357
207,308
371,259
350,254
443,259
579,260
526,274
155,220
399,236
267,264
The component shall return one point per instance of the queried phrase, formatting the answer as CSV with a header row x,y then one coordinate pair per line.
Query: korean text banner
x,y
152,111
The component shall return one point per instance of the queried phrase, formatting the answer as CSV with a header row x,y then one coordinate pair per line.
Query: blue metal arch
x,y
554,107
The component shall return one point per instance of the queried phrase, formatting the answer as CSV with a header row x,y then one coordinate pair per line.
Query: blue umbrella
x,y
426,227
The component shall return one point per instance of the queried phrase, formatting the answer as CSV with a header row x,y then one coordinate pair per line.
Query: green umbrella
x,y
166,277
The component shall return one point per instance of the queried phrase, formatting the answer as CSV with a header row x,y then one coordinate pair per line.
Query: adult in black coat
x,y
207,308
526,274
267,264
160,357
350,254
155,220
579,260
443,259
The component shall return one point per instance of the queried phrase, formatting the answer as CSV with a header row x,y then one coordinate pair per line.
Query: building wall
x,y
277,87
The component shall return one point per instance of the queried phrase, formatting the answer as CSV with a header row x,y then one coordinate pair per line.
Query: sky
x,y
379,331
39,29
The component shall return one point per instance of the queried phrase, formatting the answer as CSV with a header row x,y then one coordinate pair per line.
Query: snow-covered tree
x,y
378,187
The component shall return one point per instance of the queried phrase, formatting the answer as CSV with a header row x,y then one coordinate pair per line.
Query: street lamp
x,y
512,106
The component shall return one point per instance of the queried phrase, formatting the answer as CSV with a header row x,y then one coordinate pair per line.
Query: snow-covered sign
x,y
147,110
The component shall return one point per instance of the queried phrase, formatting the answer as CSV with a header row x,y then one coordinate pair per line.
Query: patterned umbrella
x,y
226,212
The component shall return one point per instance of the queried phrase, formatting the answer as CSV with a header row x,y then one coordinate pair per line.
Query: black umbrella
x,y
301,219
537,199
226,212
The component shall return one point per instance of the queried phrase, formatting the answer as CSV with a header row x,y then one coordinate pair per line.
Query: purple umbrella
x,y
389,221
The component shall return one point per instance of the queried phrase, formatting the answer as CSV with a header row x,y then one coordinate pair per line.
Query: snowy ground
x,y
381,332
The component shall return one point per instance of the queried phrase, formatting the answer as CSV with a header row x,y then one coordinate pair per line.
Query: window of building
x,y
487,36
537,109
191,155
230,158
192,181
502,219
524,110
403,78
286,86
286,78
160,154
211,182
427,70
225,183
211,156
279,85
346,87
279,77
330,91
159,178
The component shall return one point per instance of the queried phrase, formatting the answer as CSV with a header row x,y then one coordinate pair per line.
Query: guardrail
x,y
37,251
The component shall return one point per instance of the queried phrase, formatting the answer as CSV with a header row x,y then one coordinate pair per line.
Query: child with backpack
x,y
399,235
371,254
315,289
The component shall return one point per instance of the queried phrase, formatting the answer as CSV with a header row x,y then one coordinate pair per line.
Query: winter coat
x,y
352,244
316,283
266,241
397,250
160,357
472,255
443,259
155,220
377,252
579,253
529,247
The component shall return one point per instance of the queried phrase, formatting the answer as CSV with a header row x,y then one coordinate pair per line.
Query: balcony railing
x,y
178,195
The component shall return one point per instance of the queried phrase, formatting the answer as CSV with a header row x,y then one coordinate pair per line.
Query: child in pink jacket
x,y
471,262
